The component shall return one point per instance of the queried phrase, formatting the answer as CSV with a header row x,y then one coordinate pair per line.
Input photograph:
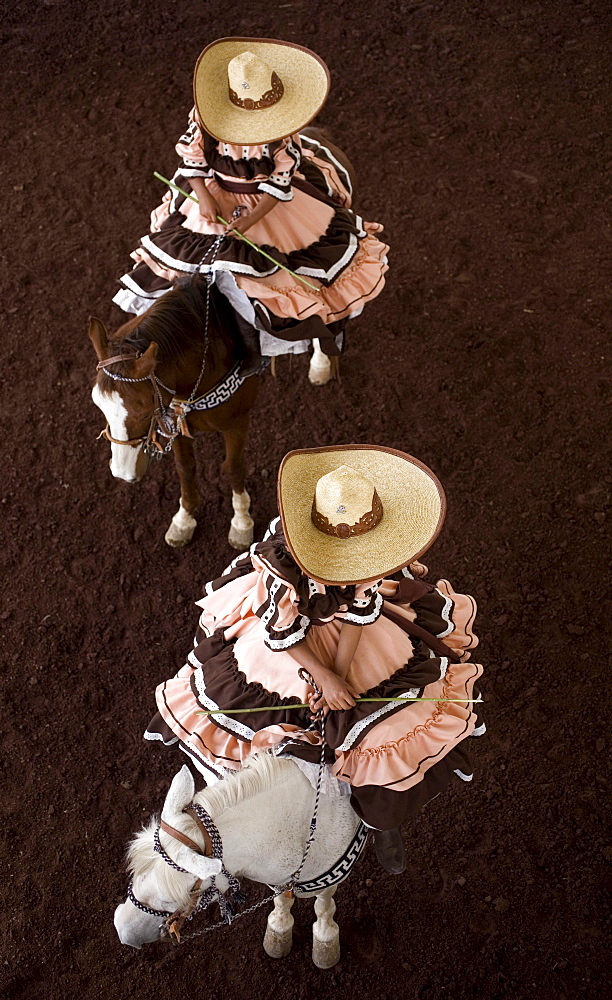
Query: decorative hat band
x,y
266,100
365,523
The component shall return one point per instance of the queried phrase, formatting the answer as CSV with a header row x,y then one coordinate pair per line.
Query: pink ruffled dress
x,y
312,231
417,643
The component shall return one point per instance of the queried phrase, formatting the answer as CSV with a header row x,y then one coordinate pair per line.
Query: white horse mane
x,y
260,773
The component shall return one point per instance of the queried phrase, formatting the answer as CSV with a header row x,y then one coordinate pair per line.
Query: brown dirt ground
x,y
477,130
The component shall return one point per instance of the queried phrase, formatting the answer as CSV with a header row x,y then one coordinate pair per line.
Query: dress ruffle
x,y
312,231
394,755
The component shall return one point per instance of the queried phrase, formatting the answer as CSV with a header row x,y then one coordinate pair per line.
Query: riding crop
x,y
290,708
241,235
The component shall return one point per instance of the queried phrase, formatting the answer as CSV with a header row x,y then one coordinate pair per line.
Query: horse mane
x,y
261,772
177,324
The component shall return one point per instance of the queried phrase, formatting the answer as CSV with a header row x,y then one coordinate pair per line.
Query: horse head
x,y
125,392
163,882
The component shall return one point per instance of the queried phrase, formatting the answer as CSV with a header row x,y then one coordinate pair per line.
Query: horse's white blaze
x,y
241,525
123,457
319,372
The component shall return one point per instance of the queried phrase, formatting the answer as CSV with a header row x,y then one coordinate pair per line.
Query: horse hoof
x,y
319,375
240,539
180,532
277,945
325,954
241,531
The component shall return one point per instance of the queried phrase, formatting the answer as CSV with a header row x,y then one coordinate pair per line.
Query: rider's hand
x,y
209,210
239,225
336,694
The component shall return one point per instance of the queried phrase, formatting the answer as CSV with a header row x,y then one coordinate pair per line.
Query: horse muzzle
x,y
134,928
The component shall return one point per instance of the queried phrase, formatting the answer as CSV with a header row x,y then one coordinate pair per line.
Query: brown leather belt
x,y
238,187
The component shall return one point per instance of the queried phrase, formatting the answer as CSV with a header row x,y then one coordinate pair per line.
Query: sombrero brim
x,y
413,502
305,79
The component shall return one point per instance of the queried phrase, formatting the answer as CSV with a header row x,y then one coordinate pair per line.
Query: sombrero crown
x,y
250,91
355,513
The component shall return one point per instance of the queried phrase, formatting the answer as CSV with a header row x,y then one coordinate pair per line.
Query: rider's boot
x,y
252,361
389,847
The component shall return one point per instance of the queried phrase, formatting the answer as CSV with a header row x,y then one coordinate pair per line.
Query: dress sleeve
x,y
276,603
365,607
287,158
190,148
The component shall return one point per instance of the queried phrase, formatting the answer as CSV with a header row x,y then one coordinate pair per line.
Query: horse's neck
x,y
264,836
183,375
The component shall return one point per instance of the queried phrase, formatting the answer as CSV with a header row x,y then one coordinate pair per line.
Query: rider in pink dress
x,y
288,189
336,588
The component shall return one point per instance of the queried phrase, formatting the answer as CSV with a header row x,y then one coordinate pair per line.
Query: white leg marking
x,y
325,931
279,929
241,526
182,527
319,372
123,457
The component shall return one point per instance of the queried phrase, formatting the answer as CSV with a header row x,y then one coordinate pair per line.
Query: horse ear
x,y
179,795
145,364
98,337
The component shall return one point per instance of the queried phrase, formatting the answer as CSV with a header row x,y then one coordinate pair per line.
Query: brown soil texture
x,y
477,131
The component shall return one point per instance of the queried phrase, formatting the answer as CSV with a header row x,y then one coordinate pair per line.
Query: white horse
x,y
262,814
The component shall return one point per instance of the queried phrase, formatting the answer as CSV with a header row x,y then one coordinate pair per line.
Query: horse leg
x,y
325,932
320,370
279,929
241,526
183,524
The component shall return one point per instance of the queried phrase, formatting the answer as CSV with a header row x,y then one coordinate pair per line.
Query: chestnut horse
x,y
168,375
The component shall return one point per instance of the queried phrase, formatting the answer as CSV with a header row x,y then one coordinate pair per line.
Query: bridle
x,y
166,421
201,900
198,899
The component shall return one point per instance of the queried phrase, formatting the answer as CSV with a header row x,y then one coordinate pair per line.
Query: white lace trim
x,y
158,736
480,730
193,660
290,640
280,195
227,721
464,777
272,592
364,619
320,272
218,265
196,169
357,729
271,529
445,615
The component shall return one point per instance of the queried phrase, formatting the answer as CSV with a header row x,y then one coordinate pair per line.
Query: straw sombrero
x,y
256,90
355,513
